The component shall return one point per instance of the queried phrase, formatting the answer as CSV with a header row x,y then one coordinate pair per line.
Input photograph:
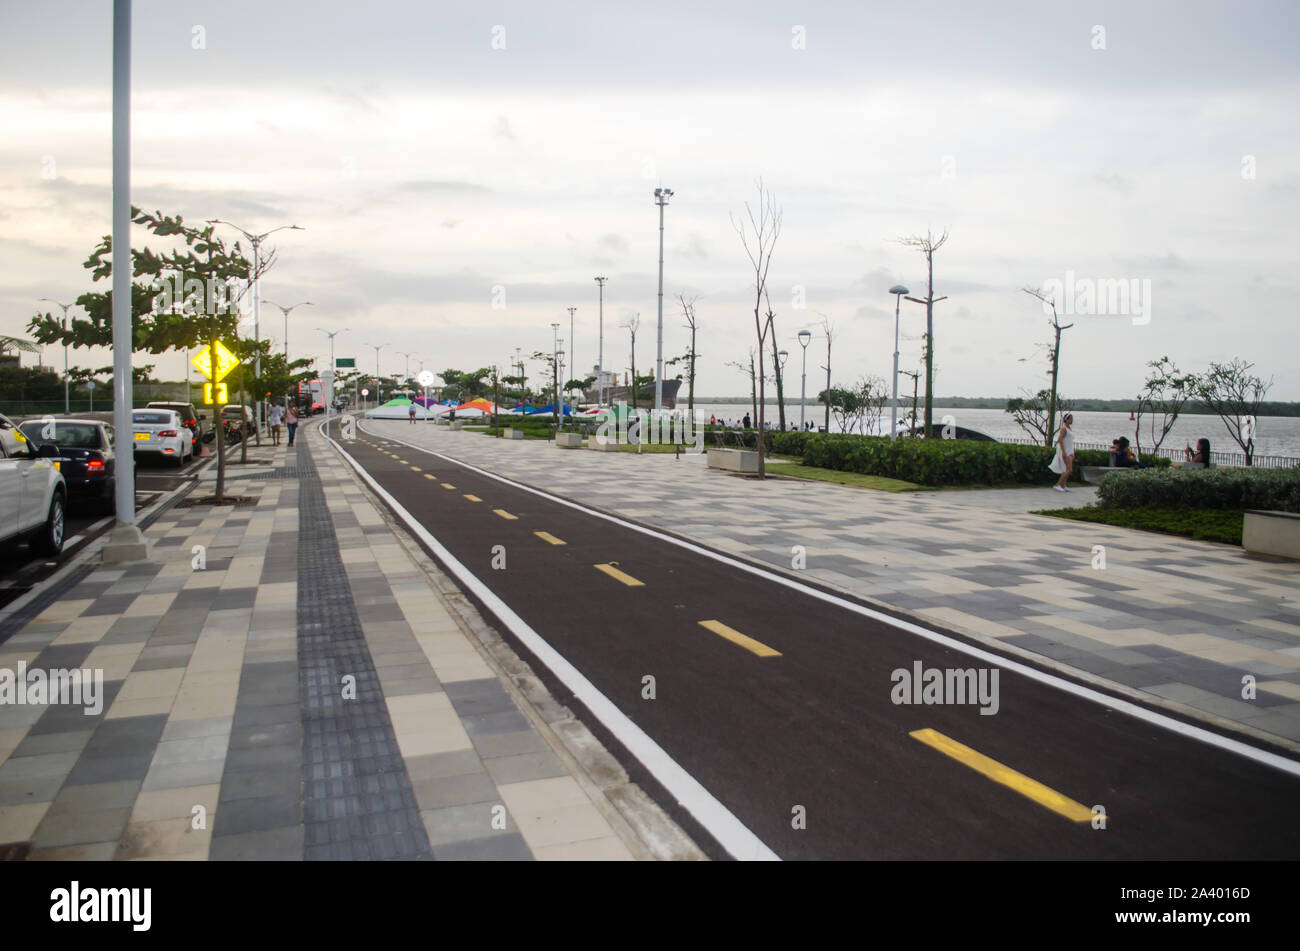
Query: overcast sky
x,y
1137,141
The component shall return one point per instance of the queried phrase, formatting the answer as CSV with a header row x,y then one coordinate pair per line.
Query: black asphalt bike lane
x,y
815,730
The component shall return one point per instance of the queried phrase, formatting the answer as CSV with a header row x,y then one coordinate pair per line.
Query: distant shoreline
x,y
993,402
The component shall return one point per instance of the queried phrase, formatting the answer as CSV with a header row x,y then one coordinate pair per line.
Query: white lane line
x,y
1114,703
730,832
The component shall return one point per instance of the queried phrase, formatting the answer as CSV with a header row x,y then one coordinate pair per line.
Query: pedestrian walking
x,y
412,413
1063,462
291,421
276,420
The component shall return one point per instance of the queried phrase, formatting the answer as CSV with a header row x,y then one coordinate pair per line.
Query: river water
x,y
1274,435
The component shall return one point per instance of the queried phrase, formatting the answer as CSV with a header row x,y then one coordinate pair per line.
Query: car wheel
x,y
49,540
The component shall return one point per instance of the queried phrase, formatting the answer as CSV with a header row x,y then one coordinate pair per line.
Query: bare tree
x,y
758,235
1232,391
916,376
1053,354
927,244
1162,398
631,325
688,311
829,330
1031,414
748,369
777,370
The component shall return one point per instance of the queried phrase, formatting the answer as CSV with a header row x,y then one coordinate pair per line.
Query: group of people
x,y
1121,454
282,415
746,423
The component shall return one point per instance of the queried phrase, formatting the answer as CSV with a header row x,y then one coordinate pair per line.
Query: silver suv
x,y
32,492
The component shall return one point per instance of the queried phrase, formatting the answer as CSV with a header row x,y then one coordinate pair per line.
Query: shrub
x,y
1277,489
933,461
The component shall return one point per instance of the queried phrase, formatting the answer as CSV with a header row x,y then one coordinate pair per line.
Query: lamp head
x,y
899,289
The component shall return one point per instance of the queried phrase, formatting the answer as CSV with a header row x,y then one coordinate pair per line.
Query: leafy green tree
x,y
185,295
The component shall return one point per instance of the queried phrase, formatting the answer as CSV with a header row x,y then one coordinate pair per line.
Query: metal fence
x,y
1257,461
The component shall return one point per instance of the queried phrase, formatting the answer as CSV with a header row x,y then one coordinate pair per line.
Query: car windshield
x,y
151,419
72,435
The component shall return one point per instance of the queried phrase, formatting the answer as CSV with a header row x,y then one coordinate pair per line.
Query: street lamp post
x,y
783,355
555,372
408,356
256,241
329,405
804,337
379,388
661,199
285,311
899,292
600,359
66,393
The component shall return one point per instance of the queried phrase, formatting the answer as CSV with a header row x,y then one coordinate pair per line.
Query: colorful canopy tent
x,y
524,408
472,409
399,408
549,409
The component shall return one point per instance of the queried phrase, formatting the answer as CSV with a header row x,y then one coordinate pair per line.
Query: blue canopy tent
x,y
549,408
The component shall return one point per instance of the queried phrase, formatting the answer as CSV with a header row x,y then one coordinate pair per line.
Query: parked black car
x,y
84,454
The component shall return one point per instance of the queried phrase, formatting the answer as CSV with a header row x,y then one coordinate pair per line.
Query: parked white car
x,y
163,433
33,494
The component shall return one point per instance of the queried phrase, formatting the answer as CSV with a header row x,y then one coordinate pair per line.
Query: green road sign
x,y
346,362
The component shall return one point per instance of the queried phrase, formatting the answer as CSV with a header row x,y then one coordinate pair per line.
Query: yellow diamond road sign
x,y
226,361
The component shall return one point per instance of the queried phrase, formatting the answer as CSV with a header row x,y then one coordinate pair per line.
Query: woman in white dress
x,y
1065,449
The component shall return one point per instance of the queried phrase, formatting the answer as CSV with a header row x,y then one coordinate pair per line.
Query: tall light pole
x,y
285,311
804,337
600,359
661,199
408,362
329,405
573,345
256,241
66,398
378,385
899,292
555,371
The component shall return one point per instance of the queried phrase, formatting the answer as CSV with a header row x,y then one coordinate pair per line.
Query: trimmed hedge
x,y
1245,488
934,461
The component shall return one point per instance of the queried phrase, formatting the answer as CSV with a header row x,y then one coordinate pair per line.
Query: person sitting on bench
x,y
1122,455
1200,458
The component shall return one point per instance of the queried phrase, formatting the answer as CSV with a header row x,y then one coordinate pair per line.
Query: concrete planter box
x,y
1271,533
509,433
456,424
568,440
734,460
1093,474
603,443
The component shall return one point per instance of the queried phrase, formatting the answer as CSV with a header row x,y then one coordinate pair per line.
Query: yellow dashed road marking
x,y
448,485
548,537
1031,788
622,576
473,498
733,635
430,475
504,514
416,469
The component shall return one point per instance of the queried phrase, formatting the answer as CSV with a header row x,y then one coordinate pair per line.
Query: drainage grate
x,y
357,798
284,472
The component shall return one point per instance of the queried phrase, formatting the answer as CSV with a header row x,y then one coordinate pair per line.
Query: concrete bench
x,y
603,443
1271,533
734,460
456,424
511,433
568,440
1093,474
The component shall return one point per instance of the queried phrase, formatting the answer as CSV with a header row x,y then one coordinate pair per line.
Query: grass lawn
x,y
800,471
1213,525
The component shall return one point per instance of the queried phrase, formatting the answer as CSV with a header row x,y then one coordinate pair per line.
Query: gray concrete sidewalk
x,y
1174,621
291,679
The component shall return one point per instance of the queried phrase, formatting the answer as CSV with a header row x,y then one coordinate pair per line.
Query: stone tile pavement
x,y
287,680
1173,621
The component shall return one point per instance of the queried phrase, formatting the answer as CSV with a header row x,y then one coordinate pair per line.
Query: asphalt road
x,y
815,729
